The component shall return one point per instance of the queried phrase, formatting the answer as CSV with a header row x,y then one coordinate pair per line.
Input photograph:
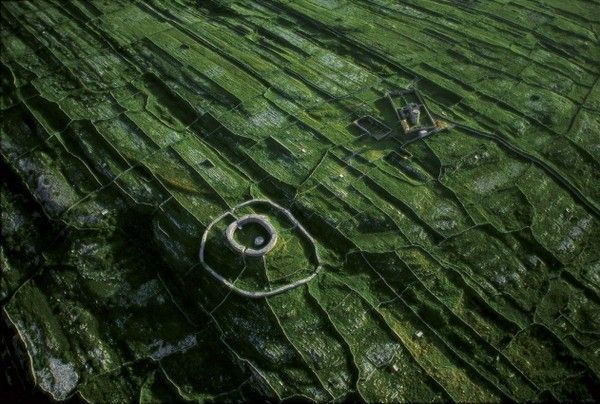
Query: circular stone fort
x,y
259,241
256,244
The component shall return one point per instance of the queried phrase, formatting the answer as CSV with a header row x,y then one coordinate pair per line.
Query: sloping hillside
x,y
457,262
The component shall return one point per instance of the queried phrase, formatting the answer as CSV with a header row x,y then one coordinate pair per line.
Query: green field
x,y
460,266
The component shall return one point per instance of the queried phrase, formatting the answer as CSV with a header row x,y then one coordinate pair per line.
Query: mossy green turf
x,y
461,267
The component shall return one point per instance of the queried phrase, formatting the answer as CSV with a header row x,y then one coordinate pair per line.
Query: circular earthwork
x,y
262,252
261,220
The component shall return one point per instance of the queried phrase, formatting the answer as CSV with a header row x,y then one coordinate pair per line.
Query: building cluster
x,y
413,116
